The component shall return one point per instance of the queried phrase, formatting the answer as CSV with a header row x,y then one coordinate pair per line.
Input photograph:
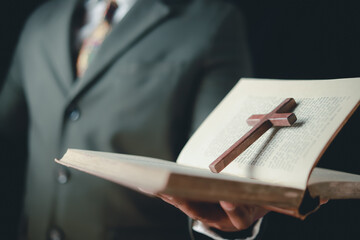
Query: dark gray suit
x,y
158,74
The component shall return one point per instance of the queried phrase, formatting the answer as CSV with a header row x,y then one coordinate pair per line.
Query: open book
x,y
278,169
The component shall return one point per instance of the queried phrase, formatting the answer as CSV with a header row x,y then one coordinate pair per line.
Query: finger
x,y
242,216
281,210
194,209
210,214
146,192
323,201
166,198
237,215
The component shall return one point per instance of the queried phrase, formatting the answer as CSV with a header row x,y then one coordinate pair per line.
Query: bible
x,y
278,169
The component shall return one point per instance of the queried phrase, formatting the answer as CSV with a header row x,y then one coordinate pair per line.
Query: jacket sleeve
x,y
226,61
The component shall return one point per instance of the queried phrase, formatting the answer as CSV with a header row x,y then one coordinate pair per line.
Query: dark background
x,y
13,15
304,38
290,39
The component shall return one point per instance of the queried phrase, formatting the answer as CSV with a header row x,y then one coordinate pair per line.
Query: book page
x,y
330,184
154,176
140,171
321,175
283,155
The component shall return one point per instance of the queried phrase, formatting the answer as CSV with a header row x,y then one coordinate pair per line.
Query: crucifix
x,y
281,116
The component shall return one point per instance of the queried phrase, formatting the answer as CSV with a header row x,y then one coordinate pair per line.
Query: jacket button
x,y
56,234
74,114
63,176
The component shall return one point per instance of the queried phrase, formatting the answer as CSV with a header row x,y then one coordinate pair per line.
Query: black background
x,y
13,15
290,39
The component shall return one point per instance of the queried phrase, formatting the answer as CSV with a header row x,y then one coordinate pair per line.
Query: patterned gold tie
x,y
92,44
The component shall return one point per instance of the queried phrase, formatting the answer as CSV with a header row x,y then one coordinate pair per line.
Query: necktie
x,y
92,44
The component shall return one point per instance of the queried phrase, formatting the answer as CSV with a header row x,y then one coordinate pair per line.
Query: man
x,y
159,71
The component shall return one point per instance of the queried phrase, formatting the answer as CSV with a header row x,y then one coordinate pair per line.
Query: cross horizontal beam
x,y
280,116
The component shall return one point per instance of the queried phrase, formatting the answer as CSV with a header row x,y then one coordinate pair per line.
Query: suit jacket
x,y
156,76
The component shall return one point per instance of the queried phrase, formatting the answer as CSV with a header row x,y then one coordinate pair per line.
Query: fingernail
x,y
145,191
228,206
168,197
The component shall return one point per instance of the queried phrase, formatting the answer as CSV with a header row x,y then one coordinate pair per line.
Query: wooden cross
x,y
280,116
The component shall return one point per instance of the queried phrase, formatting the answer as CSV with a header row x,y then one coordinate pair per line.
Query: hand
x,y
224,216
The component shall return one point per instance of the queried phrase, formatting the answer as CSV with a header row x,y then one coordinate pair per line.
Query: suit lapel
x,y
144,15
57,46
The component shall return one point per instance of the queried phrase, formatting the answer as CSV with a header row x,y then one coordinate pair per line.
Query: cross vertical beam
x,y
280,116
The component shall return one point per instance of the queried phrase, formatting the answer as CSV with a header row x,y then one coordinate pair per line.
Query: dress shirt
x,y
199,227
94,14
